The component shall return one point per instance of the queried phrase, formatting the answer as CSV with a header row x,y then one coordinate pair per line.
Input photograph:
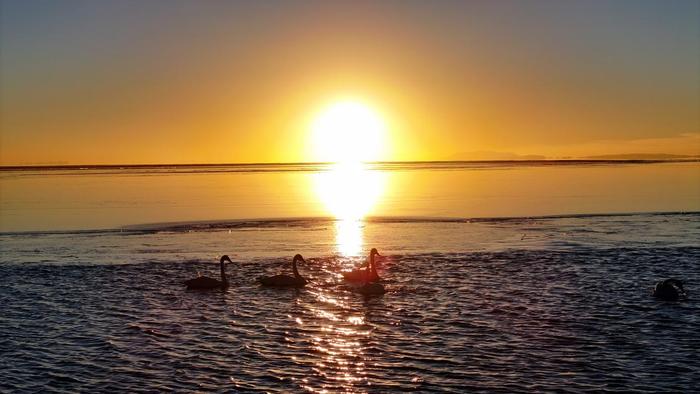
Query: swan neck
x,y
372,266
294,268
223,273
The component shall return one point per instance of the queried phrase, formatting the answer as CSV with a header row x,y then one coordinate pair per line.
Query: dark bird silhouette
x,y
670,290
367,274
282,280
369,287
204,282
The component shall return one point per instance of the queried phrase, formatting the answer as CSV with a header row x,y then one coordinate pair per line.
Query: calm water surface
x,y
47,200
509,305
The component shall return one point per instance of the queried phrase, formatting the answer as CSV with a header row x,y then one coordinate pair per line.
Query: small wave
x,y
471,323
311,223
307,222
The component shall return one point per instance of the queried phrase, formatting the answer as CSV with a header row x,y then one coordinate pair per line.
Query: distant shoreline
x,y
321,165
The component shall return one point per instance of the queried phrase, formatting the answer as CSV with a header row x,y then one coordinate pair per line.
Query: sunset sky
x,y
102,82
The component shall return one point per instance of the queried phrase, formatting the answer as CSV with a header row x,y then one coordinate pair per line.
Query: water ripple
x,y
511,321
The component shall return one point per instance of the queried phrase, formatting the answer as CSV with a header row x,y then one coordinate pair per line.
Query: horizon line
x,y
680,158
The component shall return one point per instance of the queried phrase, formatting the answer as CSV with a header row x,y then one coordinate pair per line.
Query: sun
x,y
348,132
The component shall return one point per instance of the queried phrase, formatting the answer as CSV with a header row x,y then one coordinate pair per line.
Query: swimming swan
x,y
360,275
204,282
670,290
371,288
286,280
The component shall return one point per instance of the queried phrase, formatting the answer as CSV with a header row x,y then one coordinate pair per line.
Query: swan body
x,y
670,290
205,283
282,280
368,274
369,287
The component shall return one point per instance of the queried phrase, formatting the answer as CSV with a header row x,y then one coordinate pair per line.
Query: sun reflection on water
x,y
349,191
340,343
348,235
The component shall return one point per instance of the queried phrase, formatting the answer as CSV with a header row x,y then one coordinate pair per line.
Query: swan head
x,y
225,258
374,252
299,258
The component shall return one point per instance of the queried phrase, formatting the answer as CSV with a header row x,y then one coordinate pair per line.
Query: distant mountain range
x,y
489,155
642,156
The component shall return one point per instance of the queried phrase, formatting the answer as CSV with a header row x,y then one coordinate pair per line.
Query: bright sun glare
x,y
348,132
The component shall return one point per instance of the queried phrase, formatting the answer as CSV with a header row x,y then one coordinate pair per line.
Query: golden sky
x,y
210,82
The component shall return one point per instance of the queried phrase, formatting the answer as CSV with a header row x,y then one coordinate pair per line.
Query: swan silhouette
x,y
369,287
203,282
282,280
367,274
670,290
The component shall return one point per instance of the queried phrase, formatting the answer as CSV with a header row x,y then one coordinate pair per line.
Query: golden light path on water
x,y
349,191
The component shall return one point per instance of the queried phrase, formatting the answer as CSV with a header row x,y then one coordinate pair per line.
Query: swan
x,y
282,280
360,275
369,287
670,289
204,282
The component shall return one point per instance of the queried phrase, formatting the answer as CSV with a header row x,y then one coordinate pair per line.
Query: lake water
x,y
107,198
484,293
